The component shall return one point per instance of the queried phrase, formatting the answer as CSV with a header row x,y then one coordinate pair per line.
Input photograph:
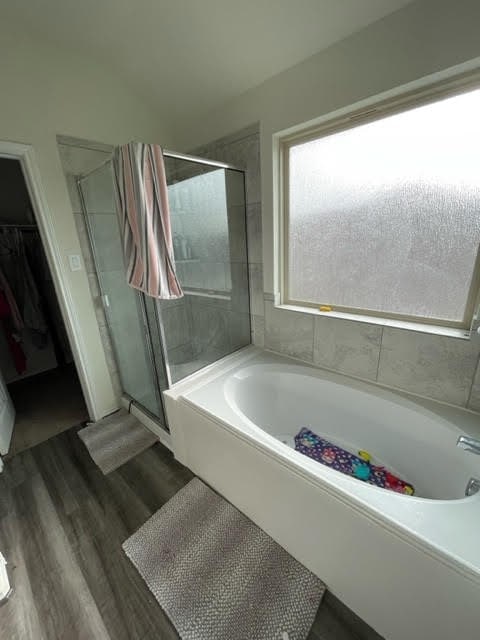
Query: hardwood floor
x,y
62,523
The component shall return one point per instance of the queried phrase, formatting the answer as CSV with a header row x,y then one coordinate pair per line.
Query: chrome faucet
x,y
469,444
472,445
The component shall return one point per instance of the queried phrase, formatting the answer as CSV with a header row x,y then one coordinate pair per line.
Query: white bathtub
x,y
410,566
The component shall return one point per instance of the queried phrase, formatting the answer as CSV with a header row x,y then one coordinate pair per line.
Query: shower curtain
x,y
142,206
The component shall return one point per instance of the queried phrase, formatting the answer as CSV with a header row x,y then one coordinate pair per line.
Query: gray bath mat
x,y
116,439
218,576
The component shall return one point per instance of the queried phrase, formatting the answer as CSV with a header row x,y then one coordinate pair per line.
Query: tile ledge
x,y
439,330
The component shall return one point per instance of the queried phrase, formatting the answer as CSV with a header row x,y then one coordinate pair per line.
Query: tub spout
x,y
469,444
473,487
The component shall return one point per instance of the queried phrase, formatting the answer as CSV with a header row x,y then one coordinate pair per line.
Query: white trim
x,y
25,154
436,329
399,100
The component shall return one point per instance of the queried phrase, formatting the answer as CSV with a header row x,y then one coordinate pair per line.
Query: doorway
x,y
38,374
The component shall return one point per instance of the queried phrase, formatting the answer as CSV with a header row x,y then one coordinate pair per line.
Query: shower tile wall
x,y
76,159
434,366
474,401
242,150
207,207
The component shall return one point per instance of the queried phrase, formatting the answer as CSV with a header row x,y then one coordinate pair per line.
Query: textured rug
x,y
116,439
220,577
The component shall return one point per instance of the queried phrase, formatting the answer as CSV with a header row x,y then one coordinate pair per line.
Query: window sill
x,y
439,330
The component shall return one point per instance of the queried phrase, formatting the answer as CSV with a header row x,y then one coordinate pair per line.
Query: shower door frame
x,y
141,297
221,165
140,300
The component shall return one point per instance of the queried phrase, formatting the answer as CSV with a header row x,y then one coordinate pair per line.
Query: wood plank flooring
x,y
62,523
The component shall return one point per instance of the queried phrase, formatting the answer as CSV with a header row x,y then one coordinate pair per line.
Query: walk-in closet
x,y
41,393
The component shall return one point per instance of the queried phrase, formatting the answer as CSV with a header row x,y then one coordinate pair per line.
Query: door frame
x,y
25,154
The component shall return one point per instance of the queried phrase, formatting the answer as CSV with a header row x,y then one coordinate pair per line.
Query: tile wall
x,y
438,367
208,214
242,150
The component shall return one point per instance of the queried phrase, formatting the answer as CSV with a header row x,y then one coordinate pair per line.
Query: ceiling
x,y
189,56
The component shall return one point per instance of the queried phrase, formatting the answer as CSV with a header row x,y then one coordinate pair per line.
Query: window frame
x,y
375,111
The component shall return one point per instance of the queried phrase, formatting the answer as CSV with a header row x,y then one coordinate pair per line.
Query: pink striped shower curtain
x,y
142,206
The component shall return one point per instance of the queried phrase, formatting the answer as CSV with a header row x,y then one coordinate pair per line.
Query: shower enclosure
x,y
159,342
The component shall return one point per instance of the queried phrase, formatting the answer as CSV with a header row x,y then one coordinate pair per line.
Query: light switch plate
x,y
75,262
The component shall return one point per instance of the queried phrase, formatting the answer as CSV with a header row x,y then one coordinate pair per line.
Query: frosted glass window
x,y
385,217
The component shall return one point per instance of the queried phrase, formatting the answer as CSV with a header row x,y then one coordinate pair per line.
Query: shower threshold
x,y
148,420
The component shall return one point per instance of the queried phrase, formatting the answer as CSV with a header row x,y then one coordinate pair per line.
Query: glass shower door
x,y
207,207
125,308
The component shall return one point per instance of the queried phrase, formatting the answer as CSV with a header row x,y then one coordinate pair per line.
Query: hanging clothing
x,y
33,316
12,323
142,206
12,303
19,274
11,335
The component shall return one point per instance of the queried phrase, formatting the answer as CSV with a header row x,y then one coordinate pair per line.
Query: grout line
x,y
469,397
379,354
313,339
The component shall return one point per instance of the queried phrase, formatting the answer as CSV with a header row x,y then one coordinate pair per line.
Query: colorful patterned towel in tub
x,y
331,455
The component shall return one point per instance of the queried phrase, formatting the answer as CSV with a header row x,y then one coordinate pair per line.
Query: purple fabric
x,y
333,456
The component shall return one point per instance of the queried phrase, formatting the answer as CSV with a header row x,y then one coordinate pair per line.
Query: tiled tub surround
x,y
426,364
200,330
435,366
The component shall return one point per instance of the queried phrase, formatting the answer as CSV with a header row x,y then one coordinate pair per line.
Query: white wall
x,y
424,38
46,91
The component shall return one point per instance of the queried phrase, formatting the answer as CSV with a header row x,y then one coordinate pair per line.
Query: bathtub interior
x,y
412,442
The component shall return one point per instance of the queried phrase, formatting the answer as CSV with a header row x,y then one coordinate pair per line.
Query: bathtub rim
x,y
244,354
401,531
181,390
405,403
